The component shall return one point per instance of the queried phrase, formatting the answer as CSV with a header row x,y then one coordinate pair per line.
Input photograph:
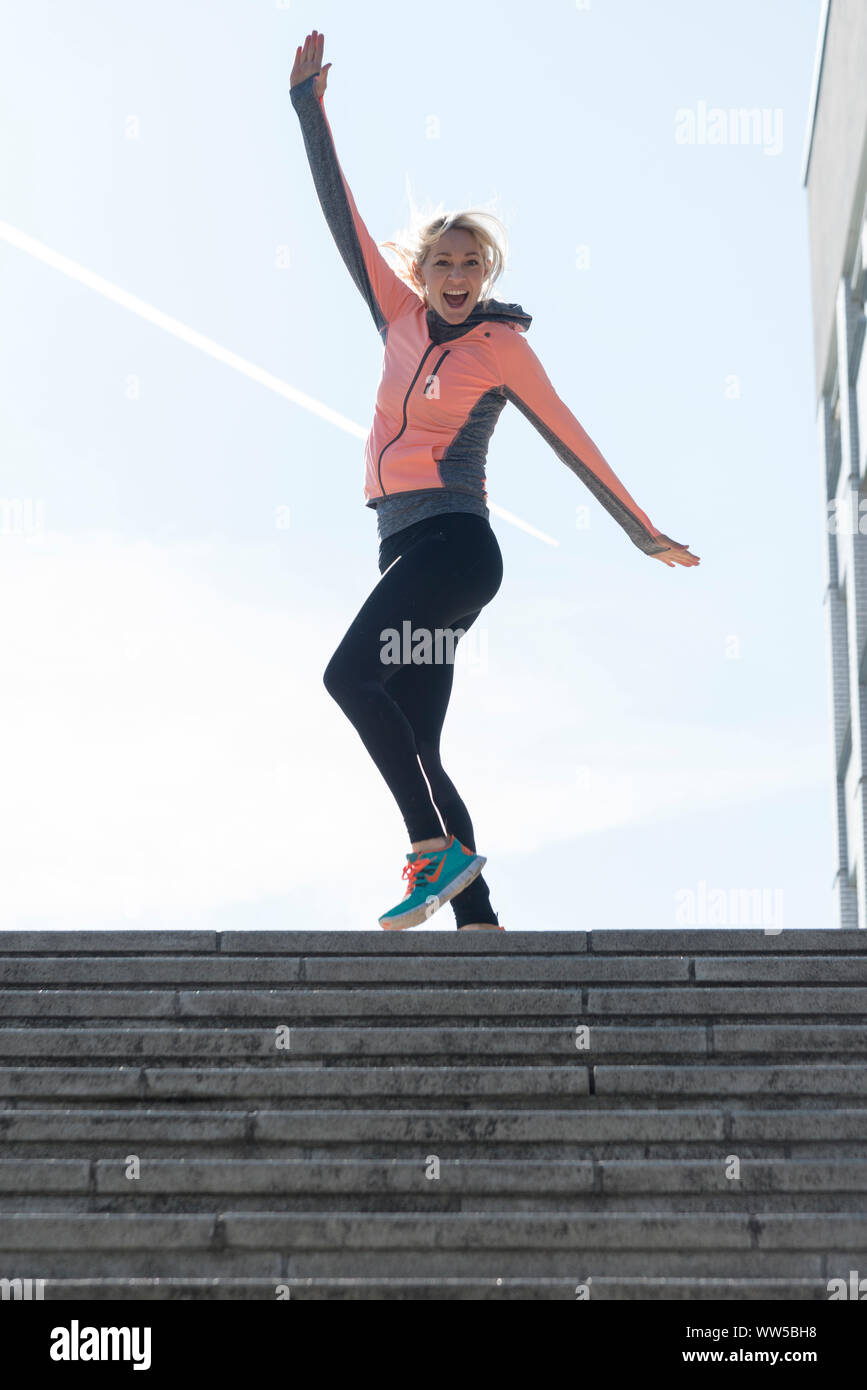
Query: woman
x,y
453,358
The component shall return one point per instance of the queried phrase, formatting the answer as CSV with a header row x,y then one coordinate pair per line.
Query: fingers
x,y
310,52
313,46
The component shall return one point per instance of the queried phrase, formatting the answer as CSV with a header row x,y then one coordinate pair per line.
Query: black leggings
x,y
437,573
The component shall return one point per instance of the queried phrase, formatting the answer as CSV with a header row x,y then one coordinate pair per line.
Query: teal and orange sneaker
x,y
435,876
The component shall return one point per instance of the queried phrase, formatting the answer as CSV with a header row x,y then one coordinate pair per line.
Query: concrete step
x,y
488,1130
404,1185
634,942
445,1288
48,1245
772,1044
528,1087
284,971
465,1177
577,1005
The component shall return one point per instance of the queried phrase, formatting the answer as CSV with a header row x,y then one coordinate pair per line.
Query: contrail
x,y
174,326
44,253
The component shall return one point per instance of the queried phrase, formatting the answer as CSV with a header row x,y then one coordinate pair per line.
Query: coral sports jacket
x,y
444,384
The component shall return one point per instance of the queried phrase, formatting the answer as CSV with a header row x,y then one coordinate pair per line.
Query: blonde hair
x,y
488,230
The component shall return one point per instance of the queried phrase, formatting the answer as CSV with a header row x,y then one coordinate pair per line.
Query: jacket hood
x,y
442,331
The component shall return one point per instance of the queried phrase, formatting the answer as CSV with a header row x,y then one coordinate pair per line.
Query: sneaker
x,y
435,876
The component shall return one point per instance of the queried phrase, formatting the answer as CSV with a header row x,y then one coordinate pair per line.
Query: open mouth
x,y
455,300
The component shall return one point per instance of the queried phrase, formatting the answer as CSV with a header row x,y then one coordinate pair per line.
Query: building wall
x,y
837,172
836,180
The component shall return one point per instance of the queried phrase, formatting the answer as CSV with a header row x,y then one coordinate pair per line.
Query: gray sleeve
x,y
385,293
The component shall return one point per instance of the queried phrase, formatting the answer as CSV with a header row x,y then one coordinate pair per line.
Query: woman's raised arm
x,y
385,293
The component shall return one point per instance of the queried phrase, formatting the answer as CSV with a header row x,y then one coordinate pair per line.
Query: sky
x,y
187,375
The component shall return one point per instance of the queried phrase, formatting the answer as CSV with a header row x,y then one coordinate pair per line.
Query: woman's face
x,y
454,264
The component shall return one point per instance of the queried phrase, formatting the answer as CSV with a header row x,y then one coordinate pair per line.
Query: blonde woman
x,y
453,357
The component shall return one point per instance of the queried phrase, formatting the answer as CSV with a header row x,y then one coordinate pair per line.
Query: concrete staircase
x,y
419,1115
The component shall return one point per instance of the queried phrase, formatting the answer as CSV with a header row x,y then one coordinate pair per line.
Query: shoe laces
x,y
413,870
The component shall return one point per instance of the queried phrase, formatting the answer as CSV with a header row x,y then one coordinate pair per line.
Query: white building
x,y
835,176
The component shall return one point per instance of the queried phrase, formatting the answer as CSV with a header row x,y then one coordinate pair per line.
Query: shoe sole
x,y
424,911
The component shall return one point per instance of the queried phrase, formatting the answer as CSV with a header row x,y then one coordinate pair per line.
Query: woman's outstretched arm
x,y
386,294
528,387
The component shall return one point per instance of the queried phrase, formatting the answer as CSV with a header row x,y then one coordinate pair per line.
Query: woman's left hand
x,y
677,555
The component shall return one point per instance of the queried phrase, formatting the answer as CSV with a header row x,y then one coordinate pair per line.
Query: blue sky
x,y
637,745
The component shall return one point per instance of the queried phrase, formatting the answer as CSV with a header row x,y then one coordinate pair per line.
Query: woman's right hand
x,y
308,59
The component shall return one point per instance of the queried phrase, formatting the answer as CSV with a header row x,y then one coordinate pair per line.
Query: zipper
x,y
440,362
425,355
